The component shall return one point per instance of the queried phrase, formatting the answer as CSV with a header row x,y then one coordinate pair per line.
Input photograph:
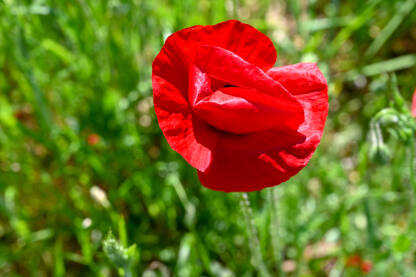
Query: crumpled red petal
x,y
185,134
254,87
235,36
414,104
173,74
247,171
241,123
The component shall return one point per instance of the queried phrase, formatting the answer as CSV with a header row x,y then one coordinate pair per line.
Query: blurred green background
x,y
81,152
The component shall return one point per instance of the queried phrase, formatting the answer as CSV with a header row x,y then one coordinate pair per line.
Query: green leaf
x,y
402,243
399,16
57,49
391,65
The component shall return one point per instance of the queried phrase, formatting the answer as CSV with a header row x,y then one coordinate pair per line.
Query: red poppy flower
x,y
354,261
366,266
93,139
414,104
241,123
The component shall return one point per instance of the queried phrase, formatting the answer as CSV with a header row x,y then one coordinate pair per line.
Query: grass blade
x,y
391,26
402,62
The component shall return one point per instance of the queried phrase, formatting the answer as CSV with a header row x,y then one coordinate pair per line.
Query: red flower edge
x,y
241,123
354,261
93,139
366,266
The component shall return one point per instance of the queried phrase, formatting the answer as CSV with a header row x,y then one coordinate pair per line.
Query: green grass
x,y
69,69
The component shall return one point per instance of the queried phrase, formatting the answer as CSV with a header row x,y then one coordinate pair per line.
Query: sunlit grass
x,y
70,69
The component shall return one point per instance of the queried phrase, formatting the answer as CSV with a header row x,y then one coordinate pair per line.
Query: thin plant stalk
x,y
127,272
412,222
235,8
274,229
253,238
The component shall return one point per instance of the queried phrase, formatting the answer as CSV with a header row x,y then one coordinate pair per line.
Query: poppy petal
x,y
300,78
172,66
232,170
236,71
235,36
414,104
237,115
308,85
199,85
188,136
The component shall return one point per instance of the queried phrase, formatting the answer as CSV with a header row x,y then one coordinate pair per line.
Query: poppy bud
x,y
379,153
122,257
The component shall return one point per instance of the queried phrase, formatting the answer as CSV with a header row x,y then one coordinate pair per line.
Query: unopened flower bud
x,y
379,153
122,257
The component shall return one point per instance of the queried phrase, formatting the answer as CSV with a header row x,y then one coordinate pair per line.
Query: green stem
x,y
127,272
411,224
372,237
274,228
235,8
253,240
412,183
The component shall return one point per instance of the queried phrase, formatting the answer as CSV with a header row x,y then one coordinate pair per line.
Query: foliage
x,y
81,152
123,258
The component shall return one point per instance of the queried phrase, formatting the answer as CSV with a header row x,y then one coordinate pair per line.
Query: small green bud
x,y
122,257
379,153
